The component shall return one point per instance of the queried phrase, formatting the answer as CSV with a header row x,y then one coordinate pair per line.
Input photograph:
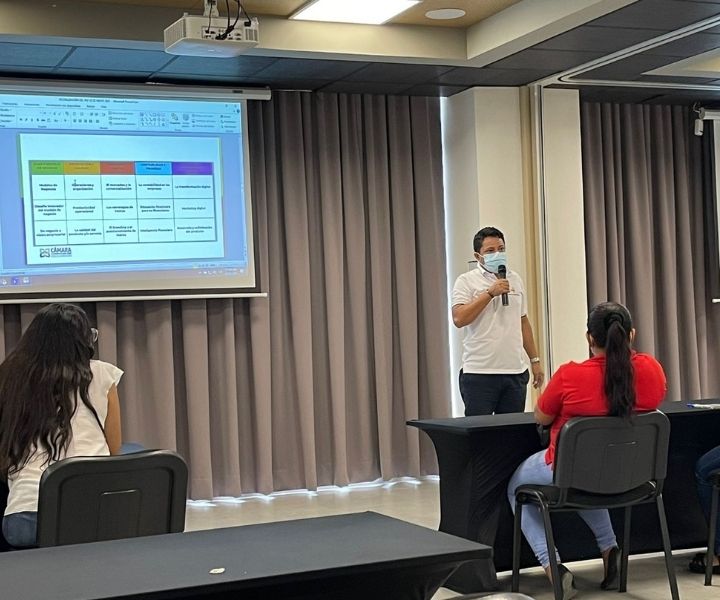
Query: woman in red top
x,y
616,381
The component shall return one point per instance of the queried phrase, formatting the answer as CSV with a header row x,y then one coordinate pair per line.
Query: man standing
x,y
498,334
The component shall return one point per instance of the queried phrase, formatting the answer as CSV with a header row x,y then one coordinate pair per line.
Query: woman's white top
x,y
88,439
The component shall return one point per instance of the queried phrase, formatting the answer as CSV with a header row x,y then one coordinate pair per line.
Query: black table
x,y
355,556
478,455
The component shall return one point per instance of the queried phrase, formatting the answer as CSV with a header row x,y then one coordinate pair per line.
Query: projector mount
x,y
211,9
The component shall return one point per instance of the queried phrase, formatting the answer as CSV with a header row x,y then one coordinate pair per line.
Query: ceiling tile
x,y
162,76
354,87
647,95
298,85
676,79
429,89
598,39
211,80
517,76
554,60
305,68
467,76
302,85
241,66
665,15
688,46
99,73
628,68
620,95
32,55
117,59
240,82
397,73
22,71
685,97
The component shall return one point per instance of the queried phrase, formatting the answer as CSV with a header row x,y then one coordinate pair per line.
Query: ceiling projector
x,y
193,35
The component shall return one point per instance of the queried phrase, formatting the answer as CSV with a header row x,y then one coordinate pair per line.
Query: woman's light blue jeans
x,y
534,470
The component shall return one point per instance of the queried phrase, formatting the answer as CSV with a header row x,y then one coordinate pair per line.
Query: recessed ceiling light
x,y
368,12
442,14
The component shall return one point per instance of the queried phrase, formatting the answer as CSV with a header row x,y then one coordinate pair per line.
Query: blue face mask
x,y
493,261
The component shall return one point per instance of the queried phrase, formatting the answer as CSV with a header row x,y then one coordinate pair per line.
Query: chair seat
x,y
532,494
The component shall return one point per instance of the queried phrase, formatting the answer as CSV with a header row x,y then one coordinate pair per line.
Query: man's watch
x,y
535,360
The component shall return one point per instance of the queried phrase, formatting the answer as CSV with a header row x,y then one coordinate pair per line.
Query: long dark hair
x,y
610,325
40,381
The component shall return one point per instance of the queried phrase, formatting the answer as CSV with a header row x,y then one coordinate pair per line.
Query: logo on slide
x,y
56,252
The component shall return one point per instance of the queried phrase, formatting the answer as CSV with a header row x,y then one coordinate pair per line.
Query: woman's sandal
x,y
611,574
697,565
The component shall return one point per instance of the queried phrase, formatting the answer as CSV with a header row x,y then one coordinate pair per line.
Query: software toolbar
x,y
106,115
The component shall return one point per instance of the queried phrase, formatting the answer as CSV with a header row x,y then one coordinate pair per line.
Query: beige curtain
x,y
648,244
313,385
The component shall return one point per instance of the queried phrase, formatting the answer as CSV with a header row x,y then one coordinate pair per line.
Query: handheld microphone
x,y
502,274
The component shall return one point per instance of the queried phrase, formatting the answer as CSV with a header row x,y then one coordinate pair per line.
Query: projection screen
x,y
122,192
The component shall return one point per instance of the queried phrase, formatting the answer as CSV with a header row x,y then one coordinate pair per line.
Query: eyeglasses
x,y
95,334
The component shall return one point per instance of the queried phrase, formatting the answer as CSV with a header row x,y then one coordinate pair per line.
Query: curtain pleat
x,y
312,385
646,238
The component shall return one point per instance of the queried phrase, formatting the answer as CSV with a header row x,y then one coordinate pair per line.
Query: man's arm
x,y
464,314
529,347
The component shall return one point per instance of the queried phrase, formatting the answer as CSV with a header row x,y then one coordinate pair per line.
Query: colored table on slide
x,y
89,202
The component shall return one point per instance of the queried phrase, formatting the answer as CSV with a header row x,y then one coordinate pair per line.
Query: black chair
x,y
710,556
4,546
602,462
90,499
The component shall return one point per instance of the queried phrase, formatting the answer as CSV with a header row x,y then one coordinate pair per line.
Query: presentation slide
x,y
123,196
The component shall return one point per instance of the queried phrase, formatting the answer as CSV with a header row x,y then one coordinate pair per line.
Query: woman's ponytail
x,y
610,324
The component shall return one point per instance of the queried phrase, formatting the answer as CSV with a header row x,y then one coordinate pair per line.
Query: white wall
x,y
482,154
565,226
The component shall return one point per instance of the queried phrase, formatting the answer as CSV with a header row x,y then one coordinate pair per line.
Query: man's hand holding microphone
x,y
499,287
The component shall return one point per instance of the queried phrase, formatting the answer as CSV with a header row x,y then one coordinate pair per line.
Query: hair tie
x,y
613,317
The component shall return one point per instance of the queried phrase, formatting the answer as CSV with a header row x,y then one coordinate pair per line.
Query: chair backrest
x,y
89,499
611,455
4,546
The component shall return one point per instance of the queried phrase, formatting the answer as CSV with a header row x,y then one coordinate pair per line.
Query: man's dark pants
x,y
488,394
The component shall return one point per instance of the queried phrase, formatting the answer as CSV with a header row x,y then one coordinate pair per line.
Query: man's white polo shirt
x,y
493,341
